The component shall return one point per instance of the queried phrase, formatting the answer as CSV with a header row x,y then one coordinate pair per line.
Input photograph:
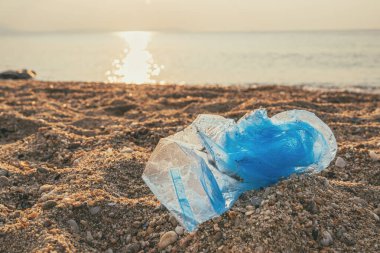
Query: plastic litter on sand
x,y
200,172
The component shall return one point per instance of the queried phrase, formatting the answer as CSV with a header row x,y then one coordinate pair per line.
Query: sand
x,y
72,156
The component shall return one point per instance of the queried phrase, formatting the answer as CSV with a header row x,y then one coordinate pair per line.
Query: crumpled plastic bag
x,y
200,172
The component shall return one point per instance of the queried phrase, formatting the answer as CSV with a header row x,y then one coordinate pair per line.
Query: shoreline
x,y
72,155
308,87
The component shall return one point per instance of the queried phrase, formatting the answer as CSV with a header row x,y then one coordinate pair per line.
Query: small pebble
x,y
108,251
249,207
49,204
375,216
42,170
109,151
149,231
127,150
4,181
326,239
46,187
94,210
133,248
312,207
256,201
358,200
128,239
3,173
259,249
73,226
216,227
348,239
218,236
179,230
167,239
173,220
325,182
374,156
340,162
89,236
136,224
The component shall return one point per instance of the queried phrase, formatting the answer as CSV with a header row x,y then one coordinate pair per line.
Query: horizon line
x,y
89,31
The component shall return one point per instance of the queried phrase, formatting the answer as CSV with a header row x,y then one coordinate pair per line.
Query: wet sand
x,y
72,156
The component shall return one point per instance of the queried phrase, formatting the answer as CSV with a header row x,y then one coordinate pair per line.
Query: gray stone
x,y
348,239
256,201
326,239
259,249
94,210
73,226
132,248
179,230
49,204
325,182
173,220
4,181
89,236
375,216
18,74
358,200
4,173
312,207
218,236
340,162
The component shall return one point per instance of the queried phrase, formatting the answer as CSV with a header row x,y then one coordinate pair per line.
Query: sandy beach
x,y
72,156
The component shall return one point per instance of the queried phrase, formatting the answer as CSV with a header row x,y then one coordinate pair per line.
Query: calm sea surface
x,y
315,58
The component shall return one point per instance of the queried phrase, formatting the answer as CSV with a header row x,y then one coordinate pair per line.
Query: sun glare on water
x,y
137,66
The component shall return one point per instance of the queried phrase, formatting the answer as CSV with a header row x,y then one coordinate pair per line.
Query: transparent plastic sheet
x,y
200,172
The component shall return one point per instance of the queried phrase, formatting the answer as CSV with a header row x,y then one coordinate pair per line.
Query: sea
x,y
317,58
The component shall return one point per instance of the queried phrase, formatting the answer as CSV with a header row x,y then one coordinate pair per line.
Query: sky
x,y
188,15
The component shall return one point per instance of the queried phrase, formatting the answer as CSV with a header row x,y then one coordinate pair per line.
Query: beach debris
x,y
200,172
21,74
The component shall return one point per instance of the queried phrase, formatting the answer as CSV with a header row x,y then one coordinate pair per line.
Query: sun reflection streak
x,y
137,66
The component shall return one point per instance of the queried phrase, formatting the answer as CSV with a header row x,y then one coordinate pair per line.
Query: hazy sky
x,y
193,15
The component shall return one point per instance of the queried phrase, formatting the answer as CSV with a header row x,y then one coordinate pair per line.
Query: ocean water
x,y
345,58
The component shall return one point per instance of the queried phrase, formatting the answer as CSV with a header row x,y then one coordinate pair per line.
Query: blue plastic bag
x,y
201,171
